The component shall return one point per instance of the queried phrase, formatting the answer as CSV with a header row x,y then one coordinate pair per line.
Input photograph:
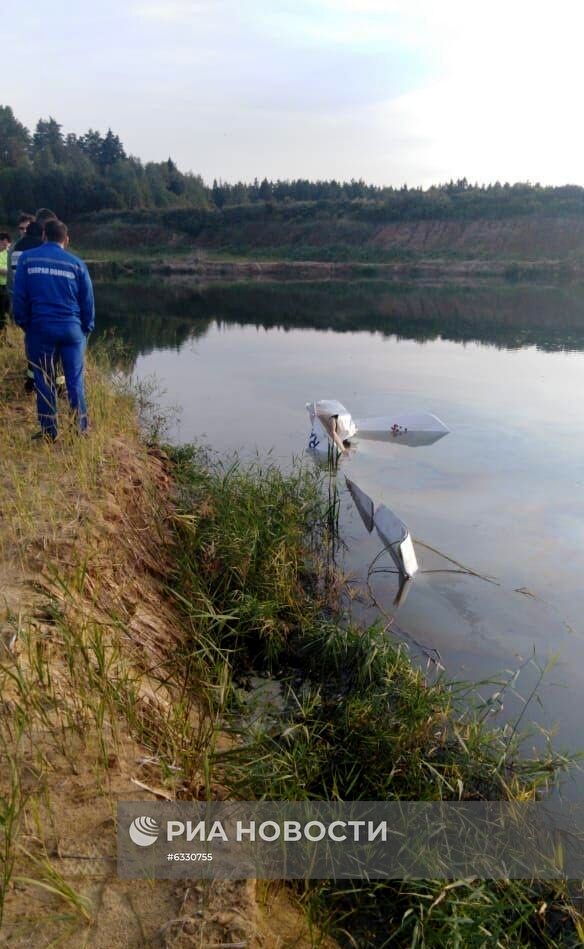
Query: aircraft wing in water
x,y
363,503
392,531
413,429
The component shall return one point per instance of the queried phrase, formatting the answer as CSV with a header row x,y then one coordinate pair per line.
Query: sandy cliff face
x,y
322,235
523,238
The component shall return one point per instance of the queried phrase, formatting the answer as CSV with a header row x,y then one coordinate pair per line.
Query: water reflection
x,y
164,314
503,494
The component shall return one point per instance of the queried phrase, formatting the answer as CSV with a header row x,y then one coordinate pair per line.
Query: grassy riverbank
x,y
95,705
140,594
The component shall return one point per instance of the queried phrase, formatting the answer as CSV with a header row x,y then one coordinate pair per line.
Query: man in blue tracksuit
x,y
53,303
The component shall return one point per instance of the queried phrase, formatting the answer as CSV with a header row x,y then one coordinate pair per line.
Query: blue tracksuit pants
x,y
66,340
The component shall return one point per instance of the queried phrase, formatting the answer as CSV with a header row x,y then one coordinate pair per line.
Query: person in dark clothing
x,y
31,231
32,237
43,215
23,222
53,304
4,245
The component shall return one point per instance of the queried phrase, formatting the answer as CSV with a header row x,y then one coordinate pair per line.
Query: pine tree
x,y
218,194
265,191
111,150
14,140
48,146
91,144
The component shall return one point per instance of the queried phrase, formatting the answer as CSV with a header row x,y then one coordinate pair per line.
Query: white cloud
x,y
492,92
174,10
514,121
390,90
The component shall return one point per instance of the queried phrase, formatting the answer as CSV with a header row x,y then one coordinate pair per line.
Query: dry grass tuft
x,y
87,634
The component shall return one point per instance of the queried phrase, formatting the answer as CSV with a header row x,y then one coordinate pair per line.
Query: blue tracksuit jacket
x,y
52,286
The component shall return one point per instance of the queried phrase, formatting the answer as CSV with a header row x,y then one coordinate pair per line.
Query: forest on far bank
x,y
81,174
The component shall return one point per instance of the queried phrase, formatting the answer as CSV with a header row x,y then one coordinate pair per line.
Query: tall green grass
x,y
242,567
358,721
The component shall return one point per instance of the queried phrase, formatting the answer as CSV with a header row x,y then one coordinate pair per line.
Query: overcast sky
x,y
392,91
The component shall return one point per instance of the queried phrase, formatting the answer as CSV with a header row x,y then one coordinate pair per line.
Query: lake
x,y
502,494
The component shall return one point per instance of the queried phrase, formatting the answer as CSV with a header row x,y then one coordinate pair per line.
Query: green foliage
x,y
453,200
14,140
48,147
79,174
400,229
357,721
242,553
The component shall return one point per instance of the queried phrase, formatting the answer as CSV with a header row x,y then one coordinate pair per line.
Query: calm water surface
x,y
502,494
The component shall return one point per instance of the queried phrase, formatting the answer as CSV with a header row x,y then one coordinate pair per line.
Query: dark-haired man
x,y
30,235
43,215
23,221
53,303
31,229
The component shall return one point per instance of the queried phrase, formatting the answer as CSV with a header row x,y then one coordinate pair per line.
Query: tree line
x,y
79,174
82,173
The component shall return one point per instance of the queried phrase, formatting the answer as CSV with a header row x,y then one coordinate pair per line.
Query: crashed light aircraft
x,y
333,429
329,418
